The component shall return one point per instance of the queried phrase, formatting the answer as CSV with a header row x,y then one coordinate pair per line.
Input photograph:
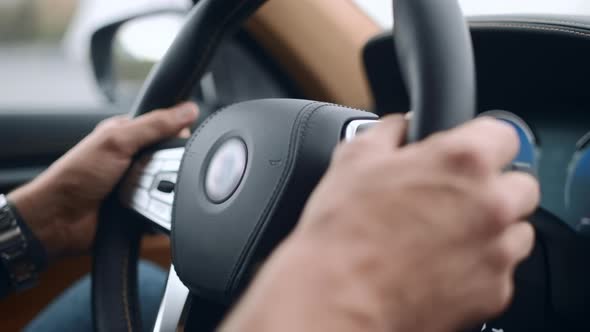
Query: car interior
x,y
280,83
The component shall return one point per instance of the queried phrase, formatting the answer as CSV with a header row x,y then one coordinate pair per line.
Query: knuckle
x,y
351,151
504,257
532,187
114,142
500,130
488,124
501,296
110,124
341,153
497,211
491,125
465,156
161,122
110,134
528,237
394,120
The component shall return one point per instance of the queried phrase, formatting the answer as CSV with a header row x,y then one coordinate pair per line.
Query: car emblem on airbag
x,y
226,169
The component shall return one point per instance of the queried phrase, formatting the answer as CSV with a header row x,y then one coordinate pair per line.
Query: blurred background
x,y
44,51
40,20
381,9
44,57
33,69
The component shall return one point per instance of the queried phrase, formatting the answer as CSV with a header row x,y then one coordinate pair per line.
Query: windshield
x,y
380,10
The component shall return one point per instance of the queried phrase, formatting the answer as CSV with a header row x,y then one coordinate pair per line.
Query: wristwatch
x,y
21,254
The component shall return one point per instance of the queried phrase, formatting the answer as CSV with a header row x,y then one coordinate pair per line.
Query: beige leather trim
x,y
319,44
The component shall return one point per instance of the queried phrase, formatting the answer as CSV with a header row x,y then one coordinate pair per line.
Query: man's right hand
x,y
424,237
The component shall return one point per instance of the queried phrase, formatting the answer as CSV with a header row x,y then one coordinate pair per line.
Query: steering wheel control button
x,y
356,127
225,171
166,186
164,190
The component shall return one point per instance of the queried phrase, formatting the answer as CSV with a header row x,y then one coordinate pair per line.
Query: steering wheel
x,y
235,189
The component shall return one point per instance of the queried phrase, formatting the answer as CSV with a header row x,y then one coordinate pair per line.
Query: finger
x,y
158,125
184,133
388,134
499,141
409,116
521,191
516,243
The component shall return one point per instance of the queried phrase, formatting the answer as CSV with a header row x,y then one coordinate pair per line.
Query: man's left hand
x,y
61,206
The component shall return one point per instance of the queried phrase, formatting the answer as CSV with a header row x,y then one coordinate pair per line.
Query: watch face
x,y
16,252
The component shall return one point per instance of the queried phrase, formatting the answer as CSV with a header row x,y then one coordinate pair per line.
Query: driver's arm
x,y
60,207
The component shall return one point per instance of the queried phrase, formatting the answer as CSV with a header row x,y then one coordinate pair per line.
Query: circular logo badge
x,y
226,169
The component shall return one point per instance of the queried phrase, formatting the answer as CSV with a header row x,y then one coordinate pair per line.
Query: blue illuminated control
x,y
527,157
577,191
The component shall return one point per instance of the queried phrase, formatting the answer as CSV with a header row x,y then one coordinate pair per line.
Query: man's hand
x,y
61,206
424,237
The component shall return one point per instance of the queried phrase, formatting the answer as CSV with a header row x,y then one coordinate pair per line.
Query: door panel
x,y
30,141
18,309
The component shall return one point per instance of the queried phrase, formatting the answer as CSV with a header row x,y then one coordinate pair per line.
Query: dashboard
x,y
532,75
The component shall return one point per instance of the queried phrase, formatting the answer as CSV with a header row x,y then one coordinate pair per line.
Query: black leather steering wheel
x,y
247,171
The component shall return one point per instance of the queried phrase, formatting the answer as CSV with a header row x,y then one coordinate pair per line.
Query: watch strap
x,y
21,254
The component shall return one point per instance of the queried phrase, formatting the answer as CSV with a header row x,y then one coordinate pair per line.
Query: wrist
x,y
315,292
22,257
336,271
39,206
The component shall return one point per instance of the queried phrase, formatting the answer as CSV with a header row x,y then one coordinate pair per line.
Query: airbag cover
x,y
289,143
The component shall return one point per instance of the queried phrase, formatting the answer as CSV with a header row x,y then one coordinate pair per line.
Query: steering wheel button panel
x,y
171,165
160,210
149,189
152,167
145,181
140,198
169,154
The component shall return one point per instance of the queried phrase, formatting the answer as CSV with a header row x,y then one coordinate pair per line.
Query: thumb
x,y
388,134
155,126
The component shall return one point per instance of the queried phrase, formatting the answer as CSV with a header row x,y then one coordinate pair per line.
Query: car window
x,y
35,72
44,51
380,10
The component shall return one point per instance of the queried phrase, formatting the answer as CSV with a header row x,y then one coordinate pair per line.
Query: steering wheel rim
x,y
437,62
441,98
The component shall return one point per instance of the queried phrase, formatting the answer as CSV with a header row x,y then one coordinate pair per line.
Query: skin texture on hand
x,y
424,237
61,206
